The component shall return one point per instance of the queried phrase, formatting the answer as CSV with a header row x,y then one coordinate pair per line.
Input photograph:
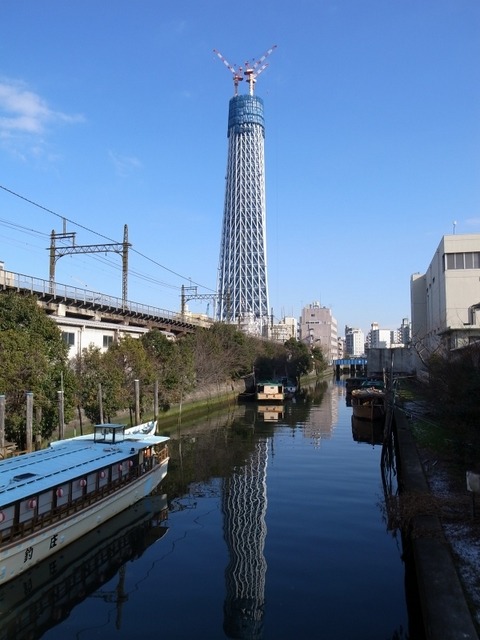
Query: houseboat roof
x,y
63,460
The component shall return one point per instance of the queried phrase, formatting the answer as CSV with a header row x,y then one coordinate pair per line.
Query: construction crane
x,y
251,71
236,71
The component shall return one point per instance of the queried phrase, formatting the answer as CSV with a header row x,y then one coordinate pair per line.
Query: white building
x,y
284,330
379,338
318,328
445,301
80,333
354,342
404,332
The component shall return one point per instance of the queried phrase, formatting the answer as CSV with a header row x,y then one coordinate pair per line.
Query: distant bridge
x,y
66,301
355,365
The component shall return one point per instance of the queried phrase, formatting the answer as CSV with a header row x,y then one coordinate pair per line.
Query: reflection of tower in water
x,y
244,505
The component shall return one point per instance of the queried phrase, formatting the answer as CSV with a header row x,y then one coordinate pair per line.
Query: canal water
x,y
269,526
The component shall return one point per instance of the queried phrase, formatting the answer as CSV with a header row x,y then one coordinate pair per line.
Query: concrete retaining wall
x,y
444,609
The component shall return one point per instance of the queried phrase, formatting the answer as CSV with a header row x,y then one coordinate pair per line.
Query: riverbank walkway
x,y
445,611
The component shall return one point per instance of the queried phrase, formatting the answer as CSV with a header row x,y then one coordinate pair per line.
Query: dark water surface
x,y
274,530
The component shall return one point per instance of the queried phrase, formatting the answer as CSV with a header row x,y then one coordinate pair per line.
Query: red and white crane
x,y
236,71
251,71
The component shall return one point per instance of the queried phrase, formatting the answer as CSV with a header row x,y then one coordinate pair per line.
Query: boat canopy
x,y
65,460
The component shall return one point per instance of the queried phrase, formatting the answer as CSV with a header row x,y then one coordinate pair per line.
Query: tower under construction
x,y
242,287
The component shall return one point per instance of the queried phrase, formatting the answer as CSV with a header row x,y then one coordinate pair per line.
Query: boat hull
x,y
45,595
21,555
368,404
270,397
366,412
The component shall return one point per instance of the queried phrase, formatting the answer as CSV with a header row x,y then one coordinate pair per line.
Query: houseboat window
x,y
7,516
63,494
28,509
45,502
78,486
91,482
103,477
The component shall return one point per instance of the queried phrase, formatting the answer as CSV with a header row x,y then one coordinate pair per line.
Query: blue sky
x,y
115,113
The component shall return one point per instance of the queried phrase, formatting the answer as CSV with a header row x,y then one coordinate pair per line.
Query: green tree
x,y
300,358
173,366
129,358
33,359
271,360
319,361
92,373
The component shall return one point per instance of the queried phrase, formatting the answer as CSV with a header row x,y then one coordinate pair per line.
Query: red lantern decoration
x,y
83,482
102,474
32,503
60,492
2,516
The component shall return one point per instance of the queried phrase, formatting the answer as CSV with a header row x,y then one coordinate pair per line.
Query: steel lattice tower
x,y
242,287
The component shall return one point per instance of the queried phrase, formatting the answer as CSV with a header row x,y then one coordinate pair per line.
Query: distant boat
x,y
354,383
289,388
269,391
145,429
52,497
368,403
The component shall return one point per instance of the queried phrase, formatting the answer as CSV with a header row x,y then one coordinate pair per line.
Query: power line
x,y
80,226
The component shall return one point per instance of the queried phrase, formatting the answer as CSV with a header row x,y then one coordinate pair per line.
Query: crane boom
x,y
251,70
237,72
251,73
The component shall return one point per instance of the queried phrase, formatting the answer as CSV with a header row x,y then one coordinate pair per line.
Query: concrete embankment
x,y
445,612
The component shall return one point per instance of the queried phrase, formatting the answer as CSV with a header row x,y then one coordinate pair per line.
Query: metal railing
x,y
55,290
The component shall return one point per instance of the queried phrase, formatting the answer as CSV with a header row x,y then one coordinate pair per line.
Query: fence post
x,y
61,424
2,425
137,401
29,425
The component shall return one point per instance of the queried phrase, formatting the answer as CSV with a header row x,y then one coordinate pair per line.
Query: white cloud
x,y
26,115
124,164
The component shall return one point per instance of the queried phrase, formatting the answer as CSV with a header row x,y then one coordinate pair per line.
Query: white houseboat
x,y
51,497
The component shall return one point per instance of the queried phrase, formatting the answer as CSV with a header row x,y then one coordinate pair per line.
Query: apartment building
x,y
318,328
354,342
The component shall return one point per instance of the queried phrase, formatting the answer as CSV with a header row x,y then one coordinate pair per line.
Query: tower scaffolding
x,y
242,272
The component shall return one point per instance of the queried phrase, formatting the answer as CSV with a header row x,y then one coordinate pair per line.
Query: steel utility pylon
x,y
242,287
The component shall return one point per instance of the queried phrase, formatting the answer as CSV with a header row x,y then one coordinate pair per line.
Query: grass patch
x,y
433,436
